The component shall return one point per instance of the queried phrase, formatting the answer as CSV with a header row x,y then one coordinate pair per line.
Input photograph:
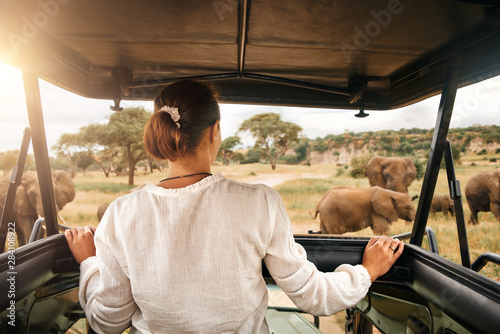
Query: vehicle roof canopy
x,y
384,54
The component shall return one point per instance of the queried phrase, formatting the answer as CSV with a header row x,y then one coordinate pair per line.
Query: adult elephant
x,y
442,203
345,209
28,201
483,194
391,173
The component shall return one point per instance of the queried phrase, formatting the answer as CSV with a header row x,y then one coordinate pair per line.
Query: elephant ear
x,y
494,185
411,171
384,204
374,172
64,188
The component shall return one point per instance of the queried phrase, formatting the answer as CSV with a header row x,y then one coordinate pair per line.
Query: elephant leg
x,y
445,212
322,228
380,226
473,212
495,209
473,217
23,234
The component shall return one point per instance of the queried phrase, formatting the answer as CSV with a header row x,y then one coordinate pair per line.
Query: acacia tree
x,y
125,130
227,147
98,140
68,146
272,134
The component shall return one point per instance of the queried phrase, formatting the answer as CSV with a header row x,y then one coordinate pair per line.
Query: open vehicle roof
x,y
384,54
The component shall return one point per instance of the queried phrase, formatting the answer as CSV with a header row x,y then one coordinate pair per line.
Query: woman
x,y
185,254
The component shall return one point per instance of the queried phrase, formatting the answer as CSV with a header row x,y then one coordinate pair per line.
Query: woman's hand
x,y
380,254
81,242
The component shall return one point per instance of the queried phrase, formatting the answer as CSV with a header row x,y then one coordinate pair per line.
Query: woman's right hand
x,y
380,254
81,242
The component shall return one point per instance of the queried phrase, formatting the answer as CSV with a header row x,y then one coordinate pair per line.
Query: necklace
x,y
181,176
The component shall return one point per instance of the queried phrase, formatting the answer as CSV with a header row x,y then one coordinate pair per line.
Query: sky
x,y
65,112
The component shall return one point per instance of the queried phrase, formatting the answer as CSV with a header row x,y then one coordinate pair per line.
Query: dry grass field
x,y
301,187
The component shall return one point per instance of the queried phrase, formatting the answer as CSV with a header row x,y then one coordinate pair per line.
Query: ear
x,y
374,172
411,171
214,130
385,204
64,188
494,184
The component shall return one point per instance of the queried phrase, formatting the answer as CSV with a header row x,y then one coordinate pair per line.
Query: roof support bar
x,y
297,83
450,87
242,35
456,196
34,106
162,82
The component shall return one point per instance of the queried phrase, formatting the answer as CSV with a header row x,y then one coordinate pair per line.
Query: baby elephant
x,y
346,209
443,203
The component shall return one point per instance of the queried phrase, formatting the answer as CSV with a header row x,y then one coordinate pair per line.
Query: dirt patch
x,y
272,179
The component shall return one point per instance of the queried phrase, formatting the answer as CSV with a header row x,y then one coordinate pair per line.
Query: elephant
x,y
28,201
443,203
101,210
483,194
391,173
345,209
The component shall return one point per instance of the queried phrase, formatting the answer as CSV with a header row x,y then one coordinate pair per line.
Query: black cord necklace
x,y
181,176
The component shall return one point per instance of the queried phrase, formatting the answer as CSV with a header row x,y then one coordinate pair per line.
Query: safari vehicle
x,y
358,55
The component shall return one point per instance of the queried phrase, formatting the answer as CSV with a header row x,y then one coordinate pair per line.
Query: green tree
x,y
98,140
8,160
68,146
272,134
84,160
227,146
125,130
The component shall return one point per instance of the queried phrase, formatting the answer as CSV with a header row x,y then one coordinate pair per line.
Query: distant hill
x,y
416,142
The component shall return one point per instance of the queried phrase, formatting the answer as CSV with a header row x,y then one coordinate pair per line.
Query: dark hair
x,y
198,109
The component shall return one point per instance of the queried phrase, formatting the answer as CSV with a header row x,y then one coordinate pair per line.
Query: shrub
x,y
290,159
482,152
358,165
252,156
498,150
493,160
419,166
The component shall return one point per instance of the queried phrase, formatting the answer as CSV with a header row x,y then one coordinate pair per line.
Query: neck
x,y
196,164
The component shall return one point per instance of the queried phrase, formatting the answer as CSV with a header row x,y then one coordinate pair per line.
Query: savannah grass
x,y
301,193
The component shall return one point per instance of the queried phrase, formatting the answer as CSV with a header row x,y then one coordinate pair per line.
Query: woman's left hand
x,y
81,242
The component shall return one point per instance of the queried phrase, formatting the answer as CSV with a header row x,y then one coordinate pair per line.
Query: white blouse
x,y
189,260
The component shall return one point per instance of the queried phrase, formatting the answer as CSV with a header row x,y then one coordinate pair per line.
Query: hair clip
x,y
174,113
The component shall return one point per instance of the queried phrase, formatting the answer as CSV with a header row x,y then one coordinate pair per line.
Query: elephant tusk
x,y
61,218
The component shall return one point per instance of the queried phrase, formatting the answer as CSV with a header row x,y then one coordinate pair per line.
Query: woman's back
x,y
194,258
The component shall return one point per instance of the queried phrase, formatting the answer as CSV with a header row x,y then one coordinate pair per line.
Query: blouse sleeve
x,y
105,292
312,291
